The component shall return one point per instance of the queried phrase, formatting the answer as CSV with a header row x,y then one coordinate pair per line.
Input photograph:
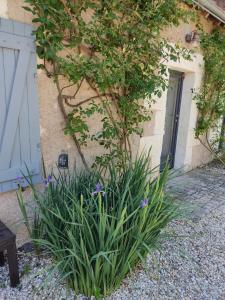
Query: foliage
x,y
115,47
97,230
29,210
211,98
33,224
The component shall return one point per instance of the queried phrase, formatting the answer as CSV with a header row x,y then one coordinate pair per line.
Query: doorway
x,y
172,116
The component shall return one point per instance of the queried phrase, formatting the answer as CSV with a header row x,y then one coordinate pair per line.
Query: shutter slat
x,y
2,95
14,109
16,155
6,25
11,41
17,172
33,109
18,28
25,128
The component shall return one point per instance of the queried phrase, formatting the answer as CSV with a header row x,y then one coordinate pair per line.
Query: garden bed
x,y
190,268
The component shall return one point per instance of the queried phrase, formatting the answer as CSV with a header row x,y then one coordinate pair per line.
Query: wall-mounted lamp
x,y
192,37
63,160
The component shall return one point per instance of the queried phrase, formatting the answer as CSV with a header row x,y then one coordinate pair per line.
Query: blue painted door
x,y
19,119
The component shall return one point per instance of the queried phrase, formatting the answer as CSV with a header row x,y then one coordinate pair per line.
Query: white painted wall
x,y
3,9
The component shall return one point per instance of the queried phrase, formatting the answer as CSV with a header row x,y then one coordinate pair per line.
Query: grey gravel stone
x,y
193,267
34,281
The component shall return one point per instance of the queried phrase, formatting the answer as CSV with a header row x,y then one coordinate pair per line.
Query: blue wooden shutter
x,y
19,120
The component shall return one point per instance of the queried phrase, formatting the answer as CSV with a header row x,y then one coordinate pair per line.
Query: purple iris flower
x,y
144,203
47,180
19,178
20,182
98,189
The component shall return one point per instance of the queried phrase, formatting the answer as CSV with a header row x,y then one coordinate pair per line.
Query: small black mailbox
x,y
63,161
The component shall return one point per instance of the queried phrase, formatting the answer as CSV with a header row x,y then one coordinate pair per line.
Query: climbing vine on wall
x,y
115,48
211,98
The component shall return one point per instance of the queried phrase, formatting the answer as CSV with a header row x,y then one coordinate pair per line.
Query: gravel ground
x,y
33,281
189,267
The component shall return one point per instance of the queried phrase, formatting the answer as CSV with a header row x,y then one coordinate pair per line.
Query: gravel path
x,y
190,267
33,273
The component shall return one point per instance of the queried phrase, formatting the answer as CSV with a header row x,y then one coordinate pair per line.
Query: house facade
x,y
31,124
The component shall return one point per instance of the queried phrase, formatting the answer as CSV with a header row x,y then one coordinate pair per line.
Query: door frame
x,y
176,100
194,70
176,117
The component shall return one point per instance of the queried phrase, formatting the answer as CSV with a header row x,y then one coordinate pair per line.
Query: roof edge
x,y
211,8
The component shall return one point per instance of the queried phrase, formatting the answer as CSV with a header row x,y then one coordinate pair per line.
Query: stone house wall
x,y
53,140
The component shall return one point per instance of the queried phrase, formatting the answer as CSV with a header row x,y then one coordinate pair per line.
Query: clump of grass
x,y
98,229
31,217
26,270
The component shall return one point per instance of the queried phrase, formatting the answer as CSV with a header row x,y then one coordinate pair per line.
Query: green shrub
x,y
98,229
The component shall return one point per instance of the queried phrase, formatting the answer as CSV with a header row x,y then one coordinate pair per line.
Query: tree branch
x,y
67,98
62,108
